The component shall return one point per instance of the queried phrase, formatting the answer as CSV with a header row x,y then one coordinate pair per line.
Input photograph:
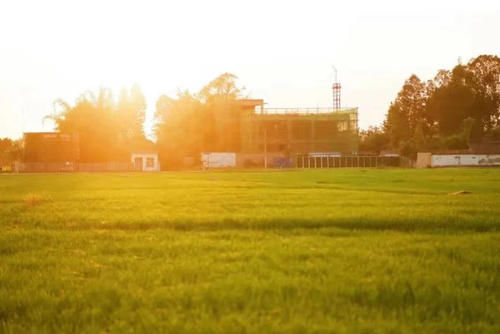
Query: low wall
x,y
105,167
58,167
456,160
424,160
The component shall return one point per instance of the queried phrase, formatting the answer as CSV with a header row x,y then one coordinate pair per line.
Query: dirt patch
x,y
32,200
461,192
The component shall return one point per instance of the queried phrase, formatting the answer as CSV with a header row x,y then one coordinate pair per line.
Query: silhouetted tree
x,y
373,140
108,131
10,151
406,111
434,114
186,125
468,91
221,88
131,111
180,128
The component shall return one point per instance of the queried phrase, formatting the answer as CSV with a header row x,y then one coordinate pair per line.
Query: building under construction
x,y
246,127
297,130
261,135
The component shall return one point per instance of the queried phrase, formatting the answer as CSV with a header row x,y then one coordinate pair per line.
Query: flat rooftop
x,y
307,111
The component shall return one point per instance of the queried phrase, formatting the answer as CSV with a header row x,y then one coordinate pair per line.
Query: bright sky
x,y
282,51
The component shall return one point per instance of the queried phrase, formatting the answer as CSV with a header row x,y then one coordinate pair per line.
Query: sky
x,y
281,51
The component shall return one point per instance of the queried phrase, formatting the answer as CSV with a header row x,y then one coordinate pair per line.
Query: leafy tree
x,y
485,82
407,148
419,137
180,128
221,88
451,103
406,111
131,111
193,123
494,134
396,124
92,118
108,131
436,114
461,139
373,140
468,91
10,151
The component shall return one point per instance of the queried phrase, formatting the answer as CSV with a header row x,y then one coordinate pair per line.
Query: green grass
x,y
314,251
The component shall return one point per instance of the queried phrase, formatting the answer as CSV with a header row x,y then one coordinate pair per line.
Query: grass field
x,y
315,251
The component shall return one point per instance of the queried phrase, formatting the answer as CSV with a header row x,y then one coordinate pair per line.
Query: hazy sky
x,y
282,51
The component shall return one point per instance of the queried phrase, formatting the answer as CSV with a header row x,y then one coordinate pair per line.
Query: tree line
x,y
109,129
455,108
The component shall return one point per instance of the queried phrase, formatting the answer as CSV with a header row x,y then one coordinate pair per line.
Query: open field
x,y
319,251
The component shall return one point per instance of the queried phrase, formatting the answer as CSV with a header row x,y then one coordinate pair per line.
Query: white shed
x,y
145,161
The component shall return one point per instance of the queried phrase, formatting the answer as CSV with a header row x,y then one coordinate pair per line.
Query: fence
x,y
307,161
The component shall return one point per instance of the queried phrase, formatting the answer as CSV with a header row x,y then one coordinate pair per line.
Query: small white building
x,y
145,161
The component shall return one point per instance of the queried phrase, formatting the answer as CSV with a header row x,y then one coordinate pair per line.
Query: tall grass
x,y
321,251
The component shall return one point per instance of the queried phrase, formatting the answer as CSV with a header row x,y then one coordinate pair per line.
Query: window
x,y
150,162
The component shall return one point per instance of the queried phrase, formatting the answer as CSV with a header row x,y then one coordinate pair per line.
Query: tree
x,y
373,140
10,151
108,131
452,102
131,111
138,106
406,111
419,137
396,124
485,82
468,91
434,114
222,113
180,128
192,123
221,88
